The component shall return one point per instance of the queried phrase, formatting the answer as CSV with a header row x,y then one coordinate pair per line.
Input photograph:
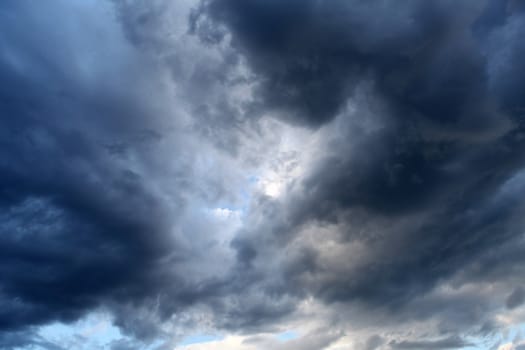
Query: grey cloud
x,y
420,107
123,344
120,130
446,343
96,175
373,342
315,340
516,298
310,55
107,176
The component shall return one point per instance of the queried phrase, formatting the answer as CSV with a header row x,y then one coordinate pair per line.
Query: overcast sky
x,y
262,174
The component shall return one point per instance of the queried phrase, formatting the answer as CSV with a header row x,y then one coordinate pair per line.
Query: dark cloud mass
x,y
81,223
135,135
448,141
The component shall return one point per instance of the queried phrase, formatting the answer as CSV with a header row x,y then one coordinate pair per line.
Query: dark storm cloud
x,y
101,198
83,223
432,182
418,183
310,54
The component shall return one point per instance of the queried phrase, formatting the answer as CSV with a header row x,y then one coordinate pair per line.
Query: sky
x,y
262,174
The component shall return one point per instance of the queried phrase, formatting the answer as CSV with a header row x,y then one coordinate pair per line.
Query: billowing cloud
x,y
350,170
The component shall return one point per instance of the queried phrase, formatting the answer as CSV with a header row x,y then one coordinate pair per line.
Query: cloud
x,y
92,206
447,343
431,130
421,173
373,342
319,339
353,170
516,298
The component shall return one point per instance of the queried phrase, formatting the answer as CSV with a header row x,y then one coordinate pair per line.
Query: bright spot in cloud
x,y
225,213
272,188
290,154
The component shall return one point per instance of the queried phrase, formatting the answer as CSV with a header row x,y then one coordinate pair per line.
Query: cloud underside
x,y
351,169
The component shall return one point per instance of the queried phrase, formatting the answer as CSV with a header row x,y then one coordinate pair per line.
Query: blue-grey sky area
x,y
262,174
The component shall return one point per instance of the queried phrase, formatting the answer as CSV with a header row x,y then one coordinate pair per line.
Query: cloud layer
x,y
350,170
